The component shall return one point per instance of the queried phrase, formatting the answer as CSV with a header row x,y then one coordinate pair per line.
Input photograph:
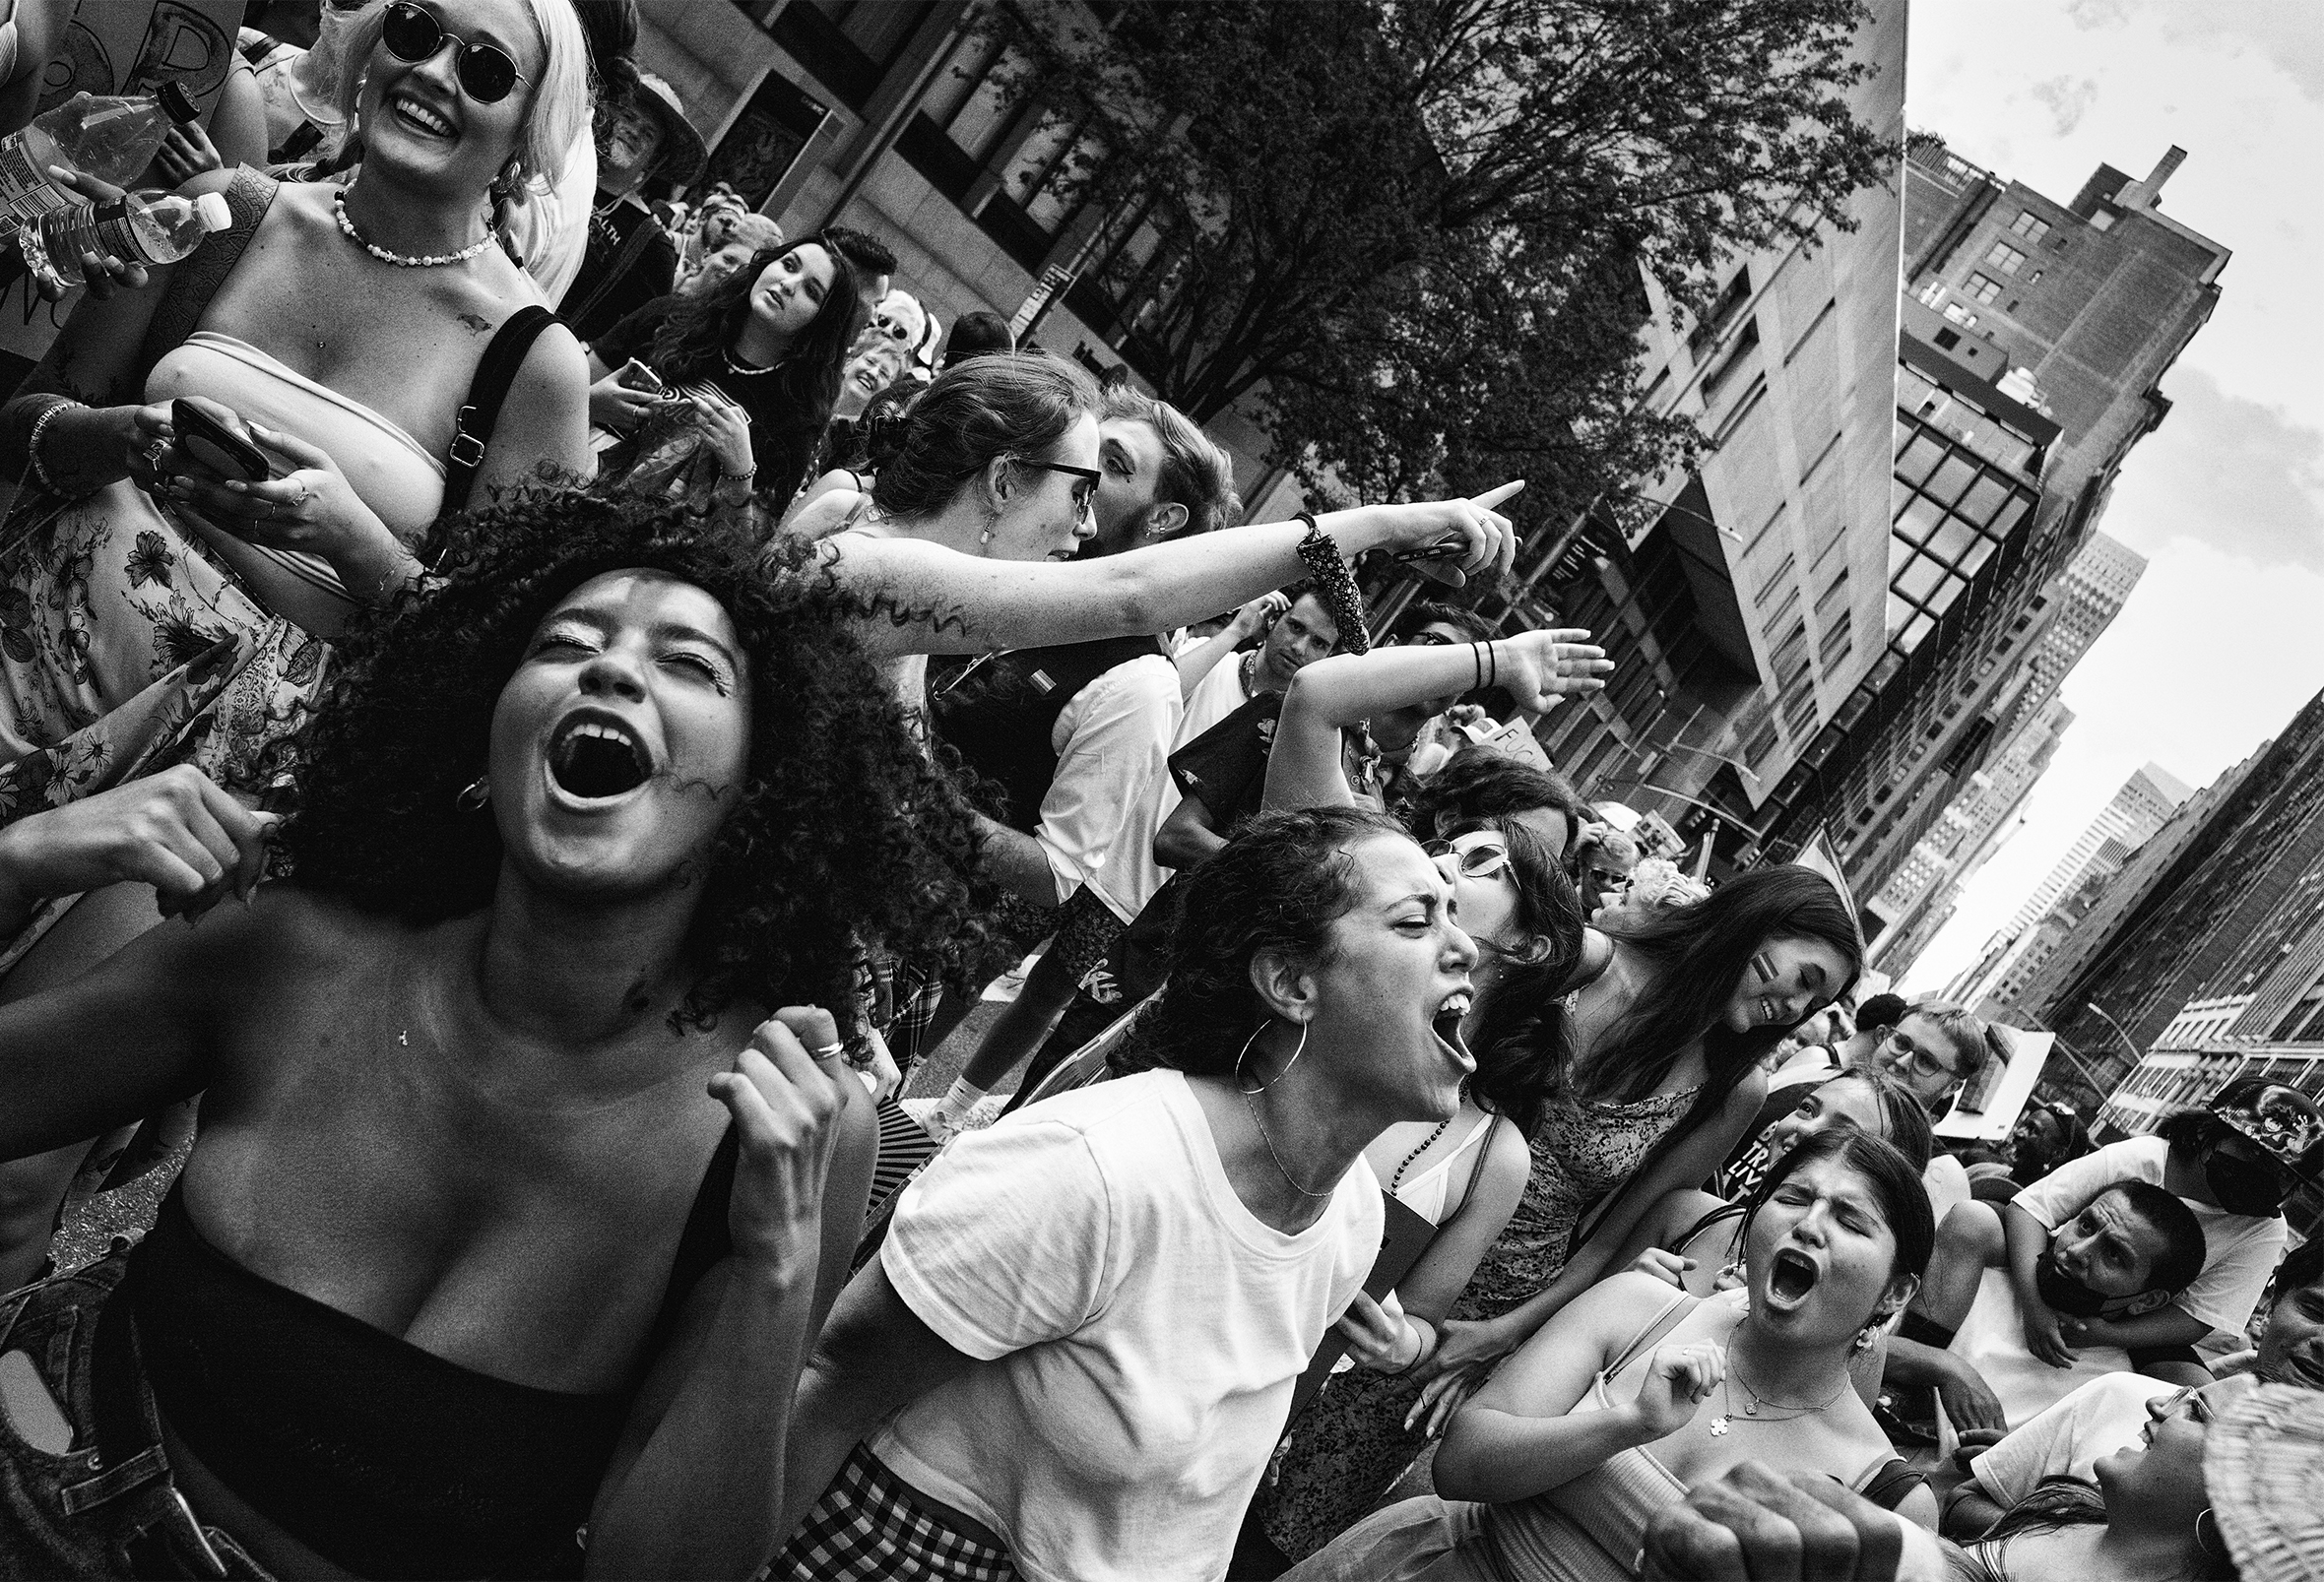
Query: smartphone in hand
x,y
224,450
635,375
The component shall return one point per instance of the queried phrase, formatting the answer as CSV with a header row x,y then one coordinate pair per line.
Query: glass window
x,y
2005,521
1919,627
1955,476
1919,458
2102,218
1981,287
2029,225
1918,519
1899,553
1947,592
1899,612
1920,579
1984,500
2005,258
1978,554
1952,538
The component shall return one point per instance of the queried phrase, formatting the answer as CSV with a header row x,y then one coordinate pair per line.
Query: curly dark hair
x,y
846,834
1279,885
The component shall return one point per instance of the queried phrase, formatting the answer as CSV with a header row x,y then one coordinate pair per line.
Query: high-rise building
x,y
2073,886
1750,605
2034,334
2231,901
1920,897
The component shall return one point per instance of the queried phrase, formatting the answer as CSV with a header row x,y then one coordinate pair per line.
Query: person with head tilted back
x,y
172,612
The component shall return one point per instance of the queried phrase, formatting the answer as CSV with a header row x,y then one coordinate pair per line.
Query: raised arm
x,y
1538,670
1198,659
930,600
1522,1436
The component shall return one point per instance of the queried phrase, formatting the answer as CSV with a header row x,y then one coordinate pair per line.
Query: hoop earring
x,y
1297,1051
2217,1547
474,794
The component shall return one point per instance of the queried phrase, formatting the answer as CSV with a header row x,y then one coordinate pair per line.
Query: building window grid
x,y
2029,225
1981,287
2005,258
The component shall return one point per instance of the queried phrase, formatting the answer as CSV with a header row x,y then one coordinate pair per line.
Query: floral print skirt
x,y
126,649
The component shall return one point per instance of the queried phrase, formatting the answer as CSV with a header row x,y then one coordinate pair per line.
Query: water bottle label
x,y
109,231
24,188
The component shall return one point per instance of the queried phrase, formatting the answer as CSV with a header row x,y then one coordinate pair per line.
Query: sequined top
x,y
1581,1151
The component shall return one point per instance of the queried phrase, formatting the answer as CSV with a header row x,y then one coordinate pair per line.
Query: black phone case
x,y
218,447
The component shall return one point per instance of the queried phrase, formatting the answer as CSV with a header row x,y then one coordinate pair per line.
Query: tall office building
x,y
1920,897
2234,902
2073,887
2035,336
1745,611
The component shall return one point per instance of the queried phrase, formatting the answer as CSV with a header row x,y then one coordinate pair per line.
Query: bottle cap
x,y
211,209
176,103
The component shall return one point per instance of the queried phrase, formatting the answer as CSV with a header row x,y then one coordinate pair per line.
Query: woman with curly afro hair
x,y
528,1164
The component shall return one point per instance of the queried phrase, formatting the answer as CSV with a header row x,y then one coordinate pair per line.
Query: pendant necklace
x,y
1756,1405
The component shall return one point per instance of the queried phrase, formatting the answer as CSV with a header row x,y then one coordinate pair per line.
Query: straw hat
x,y
2263,1466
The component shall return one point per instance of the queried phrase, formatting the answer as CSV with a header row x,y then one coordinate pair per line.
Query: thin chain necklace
x,y
1755,1402
406,260
1282,1169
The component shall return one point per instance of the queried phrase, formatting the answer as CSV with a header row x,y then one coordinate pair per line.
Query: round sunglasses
x,y
486,73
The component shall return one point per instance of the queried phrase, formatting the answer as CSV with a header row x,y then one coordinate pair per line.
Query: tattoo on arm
x,y
477,323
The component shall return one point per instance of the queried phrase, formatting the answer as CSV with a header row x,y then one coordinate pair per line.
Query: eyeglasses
x,y
1916,1059
412,36
1084,490
1477,854
1426,638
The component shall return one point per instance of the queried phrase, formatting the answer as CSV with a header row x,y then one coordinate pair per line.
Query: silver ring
x,y
155,452
827,1050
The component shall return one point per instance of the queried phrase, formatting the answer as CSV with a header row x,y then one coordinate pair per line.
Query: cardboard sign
x,y
1986,1110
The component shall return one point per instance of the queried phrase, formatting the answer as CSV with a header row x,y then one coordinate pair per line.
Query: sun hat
x,y
684,153
2263,1466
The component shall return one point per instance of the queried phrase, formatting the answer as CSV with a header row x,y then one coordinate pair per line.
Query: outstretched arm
x,y
1538,670
936,601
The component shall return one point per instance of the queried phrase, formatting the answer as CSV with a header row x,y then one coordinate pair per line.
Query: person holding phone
x,y
728,391
174,602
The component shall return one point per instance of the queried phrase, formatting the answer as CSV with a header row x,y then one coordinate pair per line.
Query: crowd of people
x,y
639,679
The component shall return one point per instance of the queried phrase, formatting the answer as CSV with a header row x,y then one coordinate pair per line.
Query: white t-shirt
x,y
2240,1249
1105,801
1139,1330
1992,1340
2067,1438
1218,694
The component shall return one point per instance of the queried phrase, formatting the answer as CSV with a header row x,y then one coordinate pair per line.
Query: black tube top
x,y
381,1457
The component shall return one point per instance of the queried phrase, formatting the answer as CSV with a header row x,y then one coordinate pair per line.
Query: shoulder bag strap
x,y
1888,1486
194,280
633,247
472,429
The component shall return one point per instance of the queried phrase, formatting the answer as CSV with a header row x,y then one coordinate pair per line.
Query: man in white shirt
x,y
1100,776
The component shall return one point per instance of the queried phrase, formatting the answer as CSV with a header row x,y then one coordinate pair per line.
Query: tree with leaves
x,y
1414,233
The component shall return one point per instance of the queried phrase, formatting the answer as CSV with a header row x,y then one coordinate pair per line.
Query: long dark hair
x,y
693,340
2060,1501
1279,885
1699,952
845,835
1525,1039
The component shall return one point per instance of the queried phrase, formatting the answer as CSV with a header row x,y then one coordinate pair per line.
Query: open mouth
x,y
410,109
595,759
1767,1011
1446,1024
1791,1275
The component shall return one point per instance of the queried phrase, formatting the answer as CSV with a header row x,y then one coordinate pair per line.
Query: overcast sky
x,y
2224,637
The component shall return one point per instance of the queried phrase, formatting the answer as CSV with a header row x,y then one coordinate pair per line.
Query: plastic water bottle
x,y
144,228
110,139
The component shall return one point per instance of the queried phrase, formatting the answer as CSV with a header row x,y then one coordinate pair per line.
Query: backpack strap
x,y
195,279
472,429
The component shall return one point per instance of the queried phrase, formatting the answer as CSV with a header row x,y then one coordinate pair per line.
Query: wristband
x,y
1476,658
1334,585
33,443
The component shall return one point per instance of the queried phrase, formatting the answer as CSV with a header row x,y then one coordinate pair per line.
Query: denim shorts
x,y
104,1506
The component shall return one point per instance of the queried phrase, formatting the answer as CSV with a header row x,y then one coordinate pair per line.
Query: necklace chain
x,y
1282,1169
1751,1407
1426,1144
404,260
743,370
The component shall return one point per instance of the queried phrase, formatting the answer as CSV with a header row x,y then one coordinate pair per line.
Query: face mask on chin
x,y
2061,1293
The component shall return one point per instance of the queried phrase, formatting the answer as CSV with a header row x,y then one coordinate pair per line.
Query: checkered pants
x,y
869,1528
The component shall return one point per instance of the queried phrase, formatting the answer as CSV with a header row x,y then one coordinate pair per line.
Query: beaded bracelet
x,y
33,442
1334,586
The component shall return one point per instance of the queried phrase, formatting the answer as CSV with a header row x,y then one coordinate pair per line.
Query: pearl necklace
x,y
403,259
743,370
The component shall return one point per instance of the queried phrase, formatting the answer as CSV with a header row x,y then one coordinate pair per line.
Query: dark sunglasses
x,y
1084,488
486,74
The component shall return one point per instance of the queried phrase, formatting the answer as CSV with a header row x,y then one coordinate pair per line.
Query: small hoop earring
x,y
474,794
2216,1547
1297,1051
